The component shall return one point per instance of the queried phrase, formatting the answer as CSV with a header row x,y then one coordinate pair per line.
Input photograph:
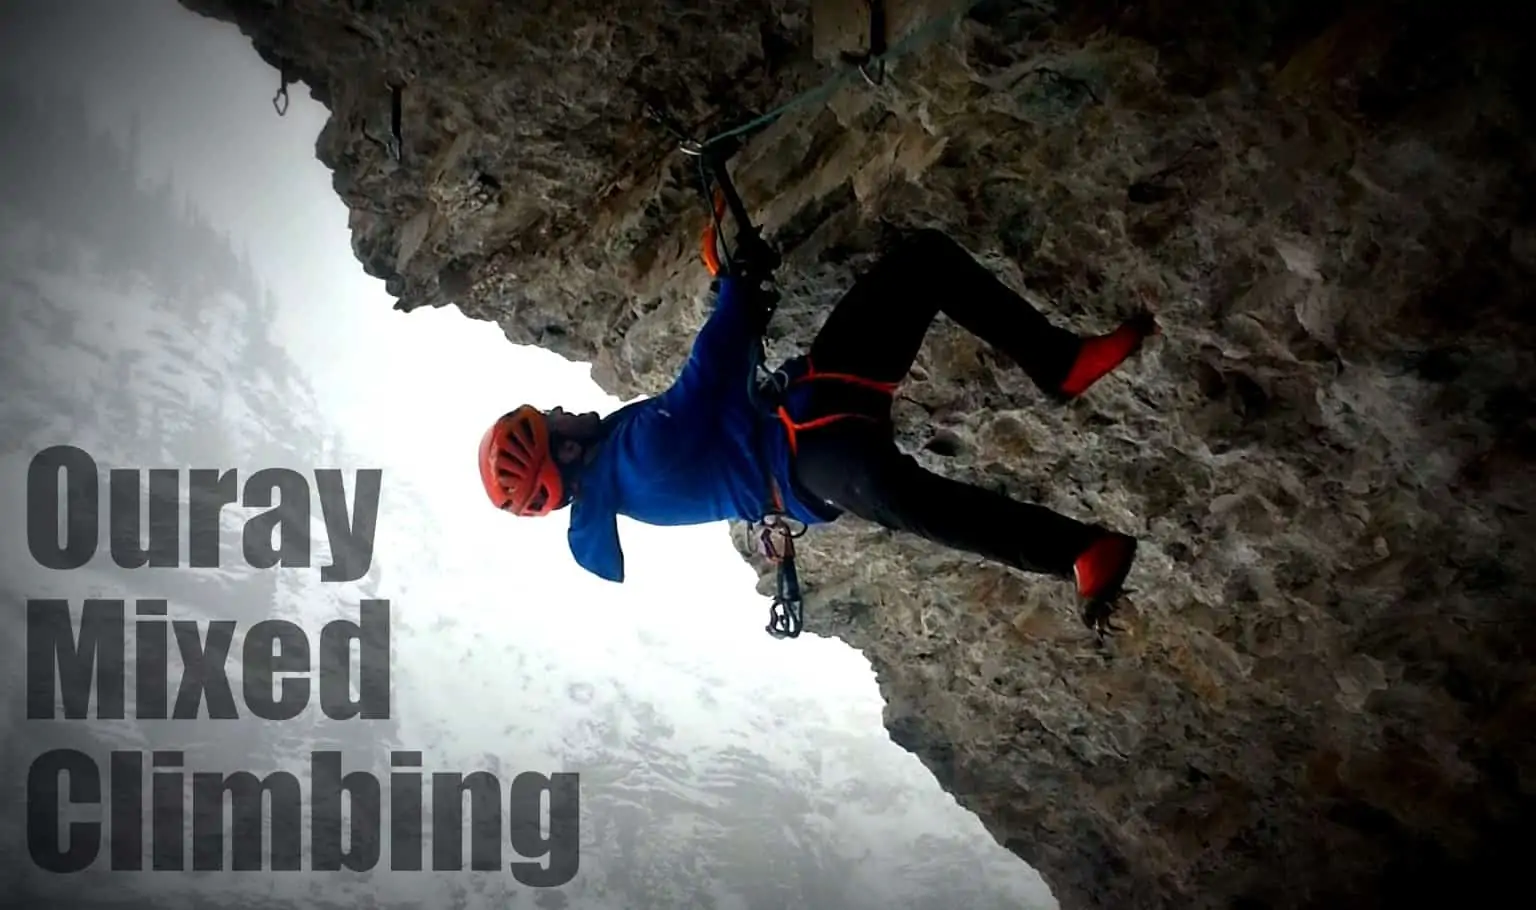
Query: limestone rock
x,y
1324,696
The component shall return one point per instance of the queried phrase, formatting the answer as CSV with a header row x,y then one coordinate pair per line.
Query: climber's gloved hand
x,y
754,259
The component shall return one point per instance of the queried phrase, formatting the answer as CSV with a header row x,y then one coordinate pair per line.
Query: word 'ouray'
x,y
68,537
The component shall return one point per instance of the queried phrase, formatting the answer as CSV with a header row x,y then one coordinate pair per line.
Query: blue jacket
x,y
699,452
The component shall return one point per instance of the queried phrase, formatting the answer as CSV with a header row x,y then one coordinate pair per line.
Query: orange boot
x,y
1100,573
1101,354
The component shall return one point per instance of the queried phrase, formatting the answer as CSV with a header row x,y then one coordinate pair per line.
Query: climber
x,y
705,450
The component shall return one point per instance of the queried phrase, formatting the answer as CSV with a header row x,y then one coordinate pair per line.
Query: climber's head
x,y
528,458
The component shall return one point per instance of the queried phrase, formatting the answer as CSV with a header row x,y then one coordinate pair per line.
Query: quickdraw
x,y
280,100
786,617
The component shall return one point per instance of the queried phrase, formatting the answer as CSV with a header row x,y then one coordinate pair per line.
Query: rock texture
x,y
1324,695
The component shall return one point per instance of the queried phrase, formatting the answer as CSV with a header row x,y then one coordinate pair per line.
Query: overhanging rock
x,y
1324,696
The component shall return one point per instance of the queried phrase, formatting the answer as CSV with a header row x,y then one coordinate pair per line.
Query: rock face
x,y
1324,693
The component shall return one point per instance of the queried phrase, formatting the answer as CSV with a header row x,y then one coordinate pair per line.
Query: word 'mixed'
x,y
62,664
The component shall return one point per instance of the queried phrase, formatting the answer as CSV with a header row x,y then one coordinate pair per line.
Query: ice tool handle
x,y
753,259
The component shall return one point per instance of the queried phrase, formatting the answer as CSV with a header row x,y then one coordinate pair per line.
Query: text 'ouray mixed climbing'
x,y
91,661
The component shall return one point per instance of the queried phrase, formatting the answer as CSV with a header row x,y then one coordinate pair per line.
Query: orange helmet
x,y
518,466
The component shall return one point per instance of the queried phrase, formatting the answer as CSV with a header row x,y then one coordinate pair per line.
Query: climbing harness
x,y
811,374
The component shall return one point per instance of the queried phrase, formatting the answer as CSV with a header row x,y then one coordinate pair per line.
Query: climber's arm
x,y
593,538
721,356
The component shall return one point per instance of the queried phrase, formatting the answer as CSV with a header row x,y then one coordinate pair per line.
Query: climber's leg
x,y
856,465
877,328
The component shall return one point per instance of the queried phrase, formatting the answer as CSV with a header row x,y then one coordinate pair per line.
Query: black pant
x,y
875,331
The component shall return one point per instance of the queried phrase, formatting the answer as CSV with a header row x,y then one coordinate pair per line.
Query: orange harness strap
x,y
811,374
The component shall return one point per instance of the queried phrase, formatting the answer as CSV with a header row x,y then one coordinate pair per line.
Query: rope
x,y
829,87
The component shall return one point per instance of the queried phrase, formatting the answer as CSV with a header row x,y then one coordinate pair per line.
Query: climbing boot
x,y
1100,574
1100,354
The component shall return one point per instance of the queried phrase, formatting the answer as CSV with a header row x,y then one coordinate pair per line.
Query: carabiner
x,y
786,617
